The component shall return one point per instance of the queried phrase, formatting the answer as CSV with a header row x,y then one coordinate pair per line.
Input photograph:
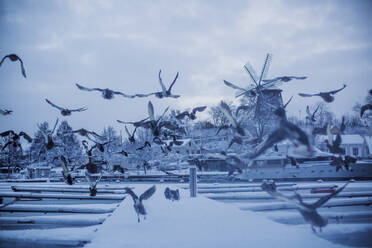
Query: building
x,y
354,144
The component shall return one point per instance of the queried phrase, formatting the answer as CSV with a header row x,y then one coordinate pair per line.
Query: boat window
x,y
273,161
355,151
321,170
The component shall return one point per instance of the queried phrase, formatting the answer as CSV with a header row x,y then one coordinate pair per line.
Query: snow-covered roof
x,y
346,139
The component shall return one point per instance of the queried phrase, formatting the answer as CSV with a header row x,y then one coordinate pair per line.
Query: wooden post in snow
x,y
193,187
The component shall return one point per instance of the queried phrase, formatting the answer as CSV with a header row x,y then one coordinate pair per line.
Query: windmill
x,y
259,92
262,98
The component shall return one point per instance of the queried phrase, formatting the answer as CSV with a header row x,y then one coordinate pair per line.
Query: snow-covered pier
x,y
189,222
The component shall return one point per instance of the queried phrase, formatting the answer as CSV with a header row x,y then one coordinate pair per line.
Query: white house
x,y
354,144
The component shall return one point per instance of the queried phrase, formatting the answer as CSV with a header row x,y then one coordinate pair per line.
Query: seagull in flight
x,y
326,96
14,57
106,93
138,204
65,111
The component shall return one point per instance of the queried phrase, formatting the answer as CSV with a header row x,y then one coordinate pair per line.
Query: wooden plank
x,y
61,196
265,196
80,220
283,205
295,218
90,209
64,190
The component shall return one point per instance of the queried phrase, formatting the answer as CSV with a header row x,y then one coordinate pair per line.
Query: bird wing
x,y
150,111
87,89
300,78
174,81
64,164
144,95
79,109
326,198
126,130
25,135
221,127
364,109
53,104
276,136
2,112
290,99
335,91
316,110
199,109
123,94
55,125
233,86
1,62
161,117
161,83
22,67
182,115
271,80
307,95
227,112
6,133
148,193
8,143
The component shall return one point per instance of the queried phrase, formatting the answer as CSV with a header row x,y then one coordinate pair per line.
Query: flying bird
x,y
134,123
153,124
235,139
48,138
13,57
192,114
234,123
65,111
138,204
144,145
286,130
283,79
364,108
326,96
311,116
85,133
122,152
66,172
106,93
5,112
131,137
15,138
165,92
308,211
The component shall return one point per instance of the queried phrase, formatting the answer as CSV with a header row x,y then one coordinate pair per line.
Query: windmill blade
x,y
265,67
251,72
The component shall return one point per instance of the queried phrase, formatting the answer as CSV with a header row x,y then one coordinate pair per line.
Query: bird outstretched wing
x,y
150,110
148,193
131,193
326,198
199,109
53,104
335,91
307,95
87,89
174,81
163,89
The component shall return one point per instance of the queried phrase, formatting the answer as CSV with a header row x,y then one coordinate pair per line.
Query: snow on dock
x,y
196,222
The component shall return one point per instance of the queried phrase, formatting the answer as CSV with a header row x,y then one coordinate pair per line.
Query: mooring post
x,y
193,182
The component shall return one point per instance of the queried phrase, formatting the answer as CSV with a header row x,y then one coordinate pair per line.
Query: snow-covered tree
x,y
67,143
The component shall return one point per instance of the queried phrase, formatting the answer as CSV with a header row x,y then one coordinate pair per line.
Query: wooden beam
x,y
81,209
80,220
64,190
61,196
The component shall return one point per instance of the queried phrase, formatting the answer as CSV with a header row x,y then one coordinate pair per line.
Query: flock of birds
x,y
162,130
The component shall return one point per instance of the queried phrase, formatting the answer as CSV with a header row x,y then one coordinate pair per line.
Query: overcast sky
x,y
122,45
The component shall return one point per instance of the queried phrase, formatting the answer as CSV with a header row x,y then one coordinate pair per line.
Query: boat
x,y
279,168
